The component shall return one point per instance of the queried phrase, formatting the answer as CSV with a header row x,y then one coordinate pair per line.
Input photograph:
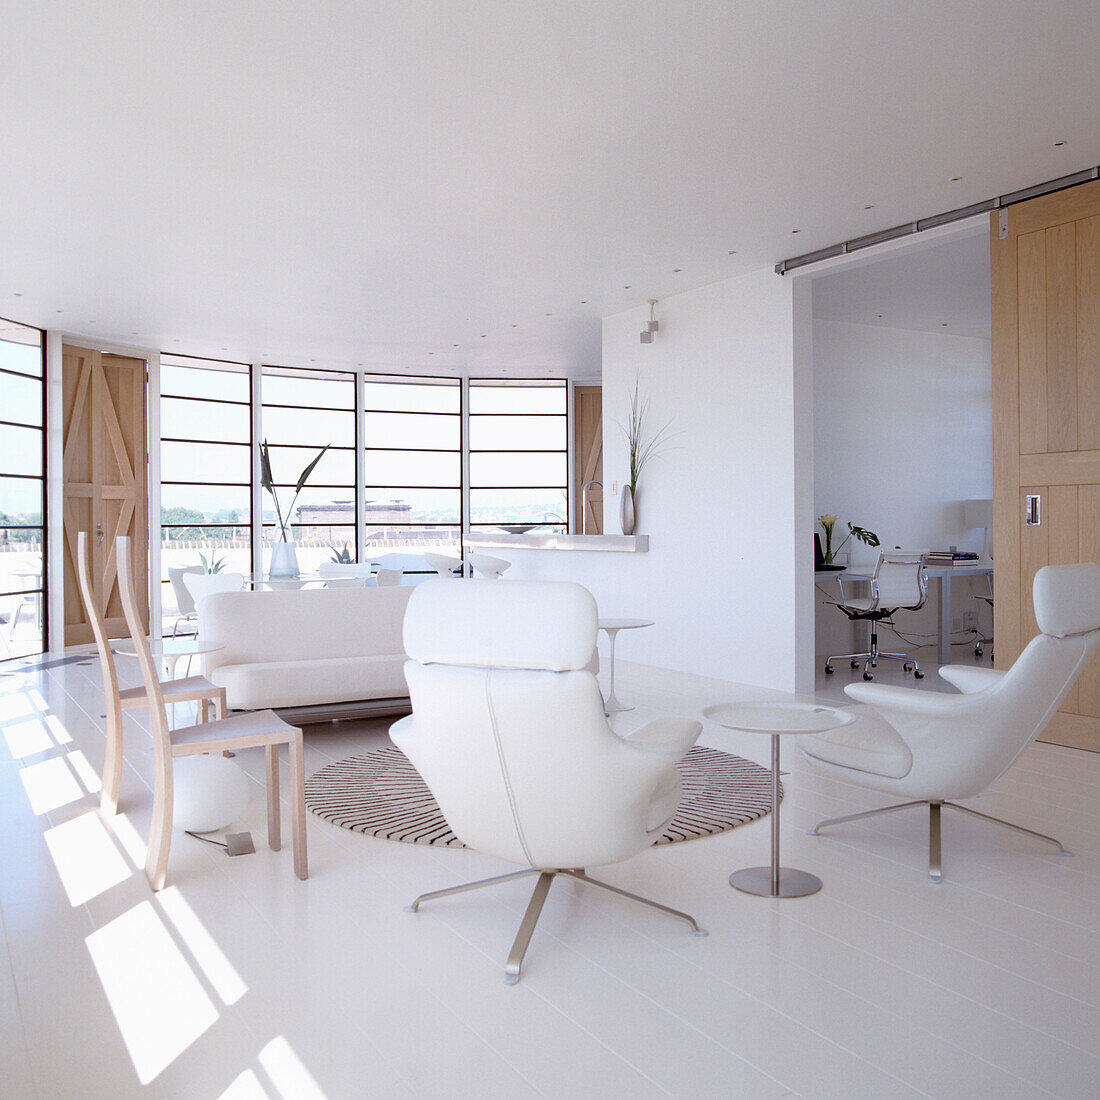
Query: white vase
x,y
284,560
626,510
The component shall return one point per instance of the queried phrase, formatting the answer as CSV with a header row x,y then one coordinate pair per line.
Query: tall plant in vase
x,y
284,557
642,444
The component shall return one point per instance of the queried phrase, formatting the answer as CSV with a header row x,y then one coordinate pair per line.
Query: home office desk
x,y
943,575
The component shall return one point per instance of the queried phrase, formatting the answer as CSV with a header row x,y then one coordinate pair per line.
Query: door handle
x,y
1032,516
99,531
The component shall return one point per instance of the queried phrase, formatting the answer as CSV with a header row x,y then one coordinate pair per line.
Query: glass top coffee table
x,y
169,651
776,719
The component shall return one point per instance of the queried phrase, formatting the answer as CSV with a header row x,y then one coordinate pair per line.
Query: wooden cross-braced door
x,y
105,476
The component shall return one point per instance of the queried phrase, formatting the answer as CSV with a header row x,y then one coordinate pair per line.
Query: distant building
x,y
337,520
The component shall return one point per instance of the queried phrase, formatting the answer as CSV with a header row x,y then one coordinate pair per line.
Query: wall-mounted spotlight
x,y
646,335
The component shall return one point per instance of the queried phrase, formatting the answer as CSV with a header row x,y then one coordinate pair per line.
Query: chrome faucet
x,y
584,504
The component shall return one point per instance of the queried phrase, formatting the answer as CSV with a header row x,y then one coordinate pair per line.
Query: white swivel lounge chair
x,y
239,731
932,748
509,733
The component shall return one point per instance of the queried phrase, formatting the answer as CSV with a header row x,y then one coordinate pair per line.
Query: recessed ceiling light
x,y
1059,144
732,252
676,270
59,311
879,315
549,315
133,334
18,294
91,322
483,336
869,206
943,324
954,179
796,230
176,340
515,326
626,288
454,345
584,301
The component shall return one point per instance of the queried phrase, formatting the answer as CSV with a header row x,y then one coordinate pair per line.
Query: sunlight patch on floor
x,y
50,785
245,1087
218,969
85,857
158,1003
287,1072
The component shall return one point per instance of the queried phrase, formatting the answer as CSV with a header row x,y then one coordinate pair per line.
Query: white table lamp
x,y
979,513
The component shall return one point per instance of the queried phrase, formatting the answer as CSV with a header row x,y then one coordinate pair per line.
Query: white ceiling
x,y
362,182
935,287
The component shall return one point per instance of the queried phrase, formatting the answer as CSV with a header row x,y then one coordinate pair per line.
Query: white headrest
x,y
1067,599
515,624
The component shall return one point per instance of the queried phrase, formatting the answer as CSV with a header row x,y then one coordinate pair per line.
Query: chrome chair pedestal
x,y
935,871
538,899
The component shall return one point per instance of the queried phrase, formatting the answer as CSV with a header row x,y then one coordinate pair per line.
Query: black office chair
x,y
982,642
898,583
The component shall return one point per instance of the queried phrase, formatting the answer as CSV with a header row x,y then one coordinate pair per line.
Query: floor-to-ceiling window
x,y
518,454
206,470
22,491
303,412
413,484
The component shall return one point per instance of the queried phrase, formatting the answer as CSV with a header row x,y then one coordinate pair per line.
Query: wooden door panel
x,y
1088,335
1061,331
1033,343
1046,382
1063,544
105,477
588,456
1088,701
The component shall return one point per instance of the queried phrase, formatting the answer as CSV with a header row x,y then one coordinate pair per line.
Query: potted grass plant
x,y
642,444
284,555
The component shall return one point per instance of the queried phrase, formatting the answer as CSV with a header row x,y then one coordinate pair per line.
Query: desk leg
x,y
944,608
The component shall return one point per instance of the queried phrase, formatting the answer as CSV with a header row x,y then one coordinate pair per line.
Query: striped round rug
x,y
380,793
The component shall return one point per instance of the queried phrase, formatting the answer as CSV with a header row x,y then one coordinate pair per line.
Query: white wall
x,y
903,430
724,579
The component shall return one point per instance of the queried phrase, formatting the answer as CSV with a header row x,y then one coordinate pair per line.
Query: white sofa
x,y
309,653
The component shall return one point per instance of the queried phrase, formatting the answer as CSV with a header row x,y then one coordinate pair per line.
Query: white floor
x,y
241,981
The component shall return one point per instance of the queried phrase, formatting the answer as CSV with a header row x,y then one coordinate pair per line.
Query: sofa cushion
x,y
869,744
312,682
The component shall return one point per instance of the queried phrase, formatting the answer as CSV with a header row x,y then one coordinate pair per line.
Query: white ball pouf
x,y
209,792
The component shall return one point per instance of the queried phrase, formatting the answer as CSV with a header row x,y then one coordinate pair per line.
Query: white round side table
x,y
776,719
613,626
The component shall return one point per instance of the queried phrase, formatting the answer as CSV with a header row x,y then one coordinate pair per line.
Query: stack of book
x,y
951,557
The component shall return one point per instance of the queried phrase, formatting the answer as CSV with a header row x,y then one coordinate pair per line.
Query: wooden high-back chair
x,y
239,731
193,689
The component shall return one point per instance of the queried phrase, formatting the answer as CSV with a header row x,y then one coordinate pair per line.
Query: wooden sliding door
x,y
105,471
588,457
1046,417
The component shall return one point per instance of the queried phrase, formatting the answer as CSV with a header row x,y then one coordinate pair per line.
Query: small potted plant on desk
x,y
828,522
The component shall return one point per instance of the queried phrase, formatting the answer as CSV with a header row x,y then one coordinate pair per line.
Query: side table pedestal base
x,y
792,883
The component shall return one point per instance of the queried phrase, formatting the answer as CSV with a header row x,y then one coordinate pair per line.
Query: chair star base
x,y
534,907
935,871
